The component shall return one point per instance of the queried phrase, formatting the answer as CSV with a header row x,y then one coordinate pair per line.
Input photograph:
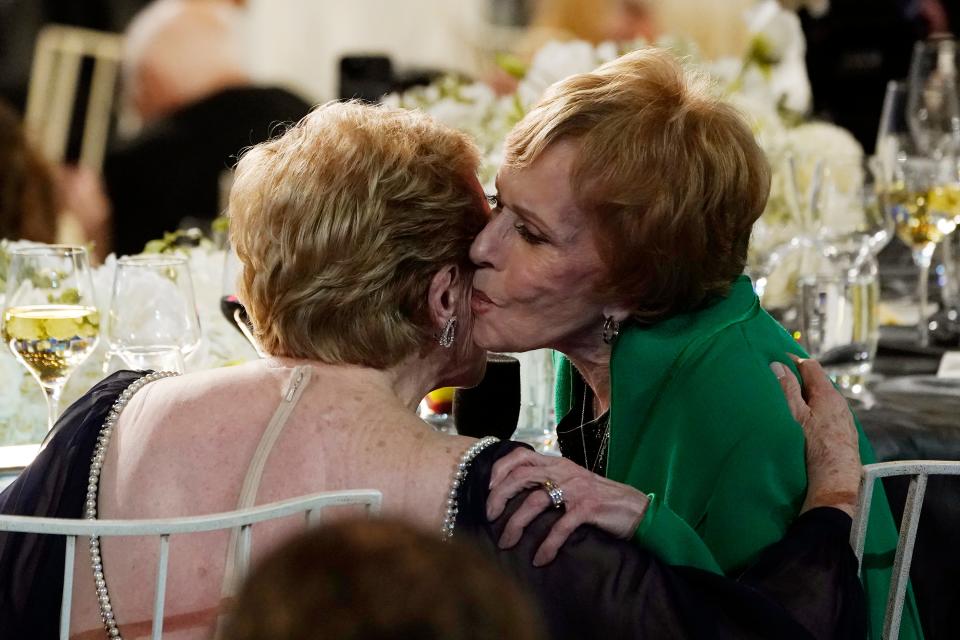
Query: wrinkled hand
x,y
587,499
833,458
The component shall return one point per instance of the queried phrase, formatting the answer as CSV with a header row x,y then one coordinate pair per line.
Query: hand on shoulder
x,y
833,455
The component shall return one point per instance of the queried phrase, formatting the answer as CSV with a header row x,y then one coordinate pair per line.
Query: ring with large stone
x,y
555,493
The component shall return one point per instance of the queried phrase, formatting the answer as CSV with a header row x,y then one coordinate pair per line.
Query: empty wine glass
x,y
933,105
158,330
852,226
50,322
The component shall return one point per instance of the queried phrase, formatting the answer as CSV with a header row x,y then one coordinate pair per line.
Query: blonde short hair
x,y
341,223
670,177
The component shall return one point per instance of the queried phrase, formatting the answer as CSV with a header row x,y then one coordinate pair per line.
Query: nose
x,y
484,248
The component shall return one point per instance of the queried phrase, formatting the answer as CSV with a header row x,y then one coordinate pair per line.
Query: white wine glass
x,y
50,321
913,197
153,321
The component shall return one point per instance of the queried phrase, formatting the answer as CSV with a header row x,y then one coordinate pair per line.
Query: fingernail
x,y
538,560
778,369
505,542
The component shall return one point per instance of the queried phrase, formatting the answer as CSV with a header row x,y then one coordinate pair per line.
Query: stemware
x,y
916,166
851,226
230,305
933,105
50,321
917,197
160,330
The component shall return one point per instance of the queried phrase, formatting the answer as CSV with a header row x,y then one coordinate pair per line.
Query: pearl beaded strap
x,y
96,464
450,521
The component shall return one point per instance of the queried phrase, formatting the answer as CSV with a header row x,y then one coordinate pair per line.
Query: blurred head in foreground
x,y
378,579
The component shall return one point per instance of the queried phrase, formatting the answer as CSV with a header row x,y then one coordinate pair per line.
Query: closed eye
x,y
528,236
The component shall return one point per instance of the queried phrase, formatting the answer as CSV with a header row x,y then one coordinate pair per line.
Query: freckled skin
x,y
544,292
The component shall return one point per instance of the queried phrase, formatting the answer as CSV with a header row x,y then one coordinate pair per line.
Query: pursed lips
x,y
480,302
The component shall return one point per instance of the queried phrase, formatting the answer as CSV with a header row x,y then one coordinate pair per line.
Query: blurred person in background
x,y
853,51
28,197
186,81
41,201
379,579
591,20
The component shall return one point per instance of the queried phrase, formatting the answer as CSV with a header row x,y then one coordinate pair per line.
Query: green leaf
x,y
512,64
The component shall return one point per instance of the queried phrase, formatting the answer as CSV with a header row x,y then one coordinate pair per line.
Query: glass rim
x,y
152,260
61,250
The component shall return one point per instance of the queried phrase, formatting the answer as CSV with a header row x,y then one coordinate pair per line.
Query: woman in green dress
x,y
618,237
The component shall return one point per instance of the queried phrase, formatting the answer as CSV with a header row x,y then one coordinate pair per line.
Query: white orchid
x,y
775,62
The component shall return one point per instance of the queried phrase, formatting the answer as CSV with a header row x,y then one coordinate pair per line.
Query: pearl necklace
x,y
96,464
450,521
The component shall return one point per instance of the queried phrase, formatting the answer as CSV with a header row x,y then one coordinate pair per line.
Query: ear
x,y
444,294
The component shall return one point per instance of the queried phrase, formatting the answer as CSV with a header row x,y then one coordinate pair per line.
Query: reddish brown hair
x,y
670,177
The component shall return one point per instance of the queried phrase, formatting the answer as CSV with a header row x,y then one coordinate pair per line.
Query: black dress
x,y
804,586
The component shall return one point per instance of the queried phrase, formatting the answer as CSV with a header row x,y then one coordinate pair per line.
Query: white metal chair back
x,y
54,75
311,506
919,471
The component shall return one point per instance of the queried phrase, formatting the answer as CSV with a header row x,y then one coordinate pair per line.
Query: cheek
x,y
545,283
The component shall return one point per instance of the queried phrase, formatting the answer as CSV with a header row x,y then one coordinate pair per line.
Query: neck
x,y
594,365
408,381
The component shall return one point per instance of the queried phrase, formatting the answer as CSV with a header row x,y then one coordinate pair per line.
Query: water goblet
x,y
160,330
50,321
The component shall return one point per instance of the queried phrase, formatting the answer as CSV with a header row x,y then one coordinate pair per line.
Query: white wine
x,y
922,217
945,201
52,339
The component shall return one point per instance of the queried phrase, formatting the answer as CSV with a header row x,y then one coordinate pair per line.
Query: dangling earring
x,y
611,329
449,333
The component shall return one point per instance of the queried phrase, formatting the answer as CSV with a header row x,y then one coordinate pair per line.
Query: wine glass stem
x,y
53,404
950,290
924,333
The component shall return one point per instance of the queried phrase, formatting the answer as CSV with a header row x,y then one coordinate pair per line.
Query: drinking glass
x,y
159,330
230,305
894,138
491,408
933,105
851,225
50,322
838,317
919,199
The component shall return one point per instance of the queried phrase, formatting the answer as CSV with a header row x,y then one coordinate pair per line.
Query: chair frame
x,y
919,471
57,60
311,506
